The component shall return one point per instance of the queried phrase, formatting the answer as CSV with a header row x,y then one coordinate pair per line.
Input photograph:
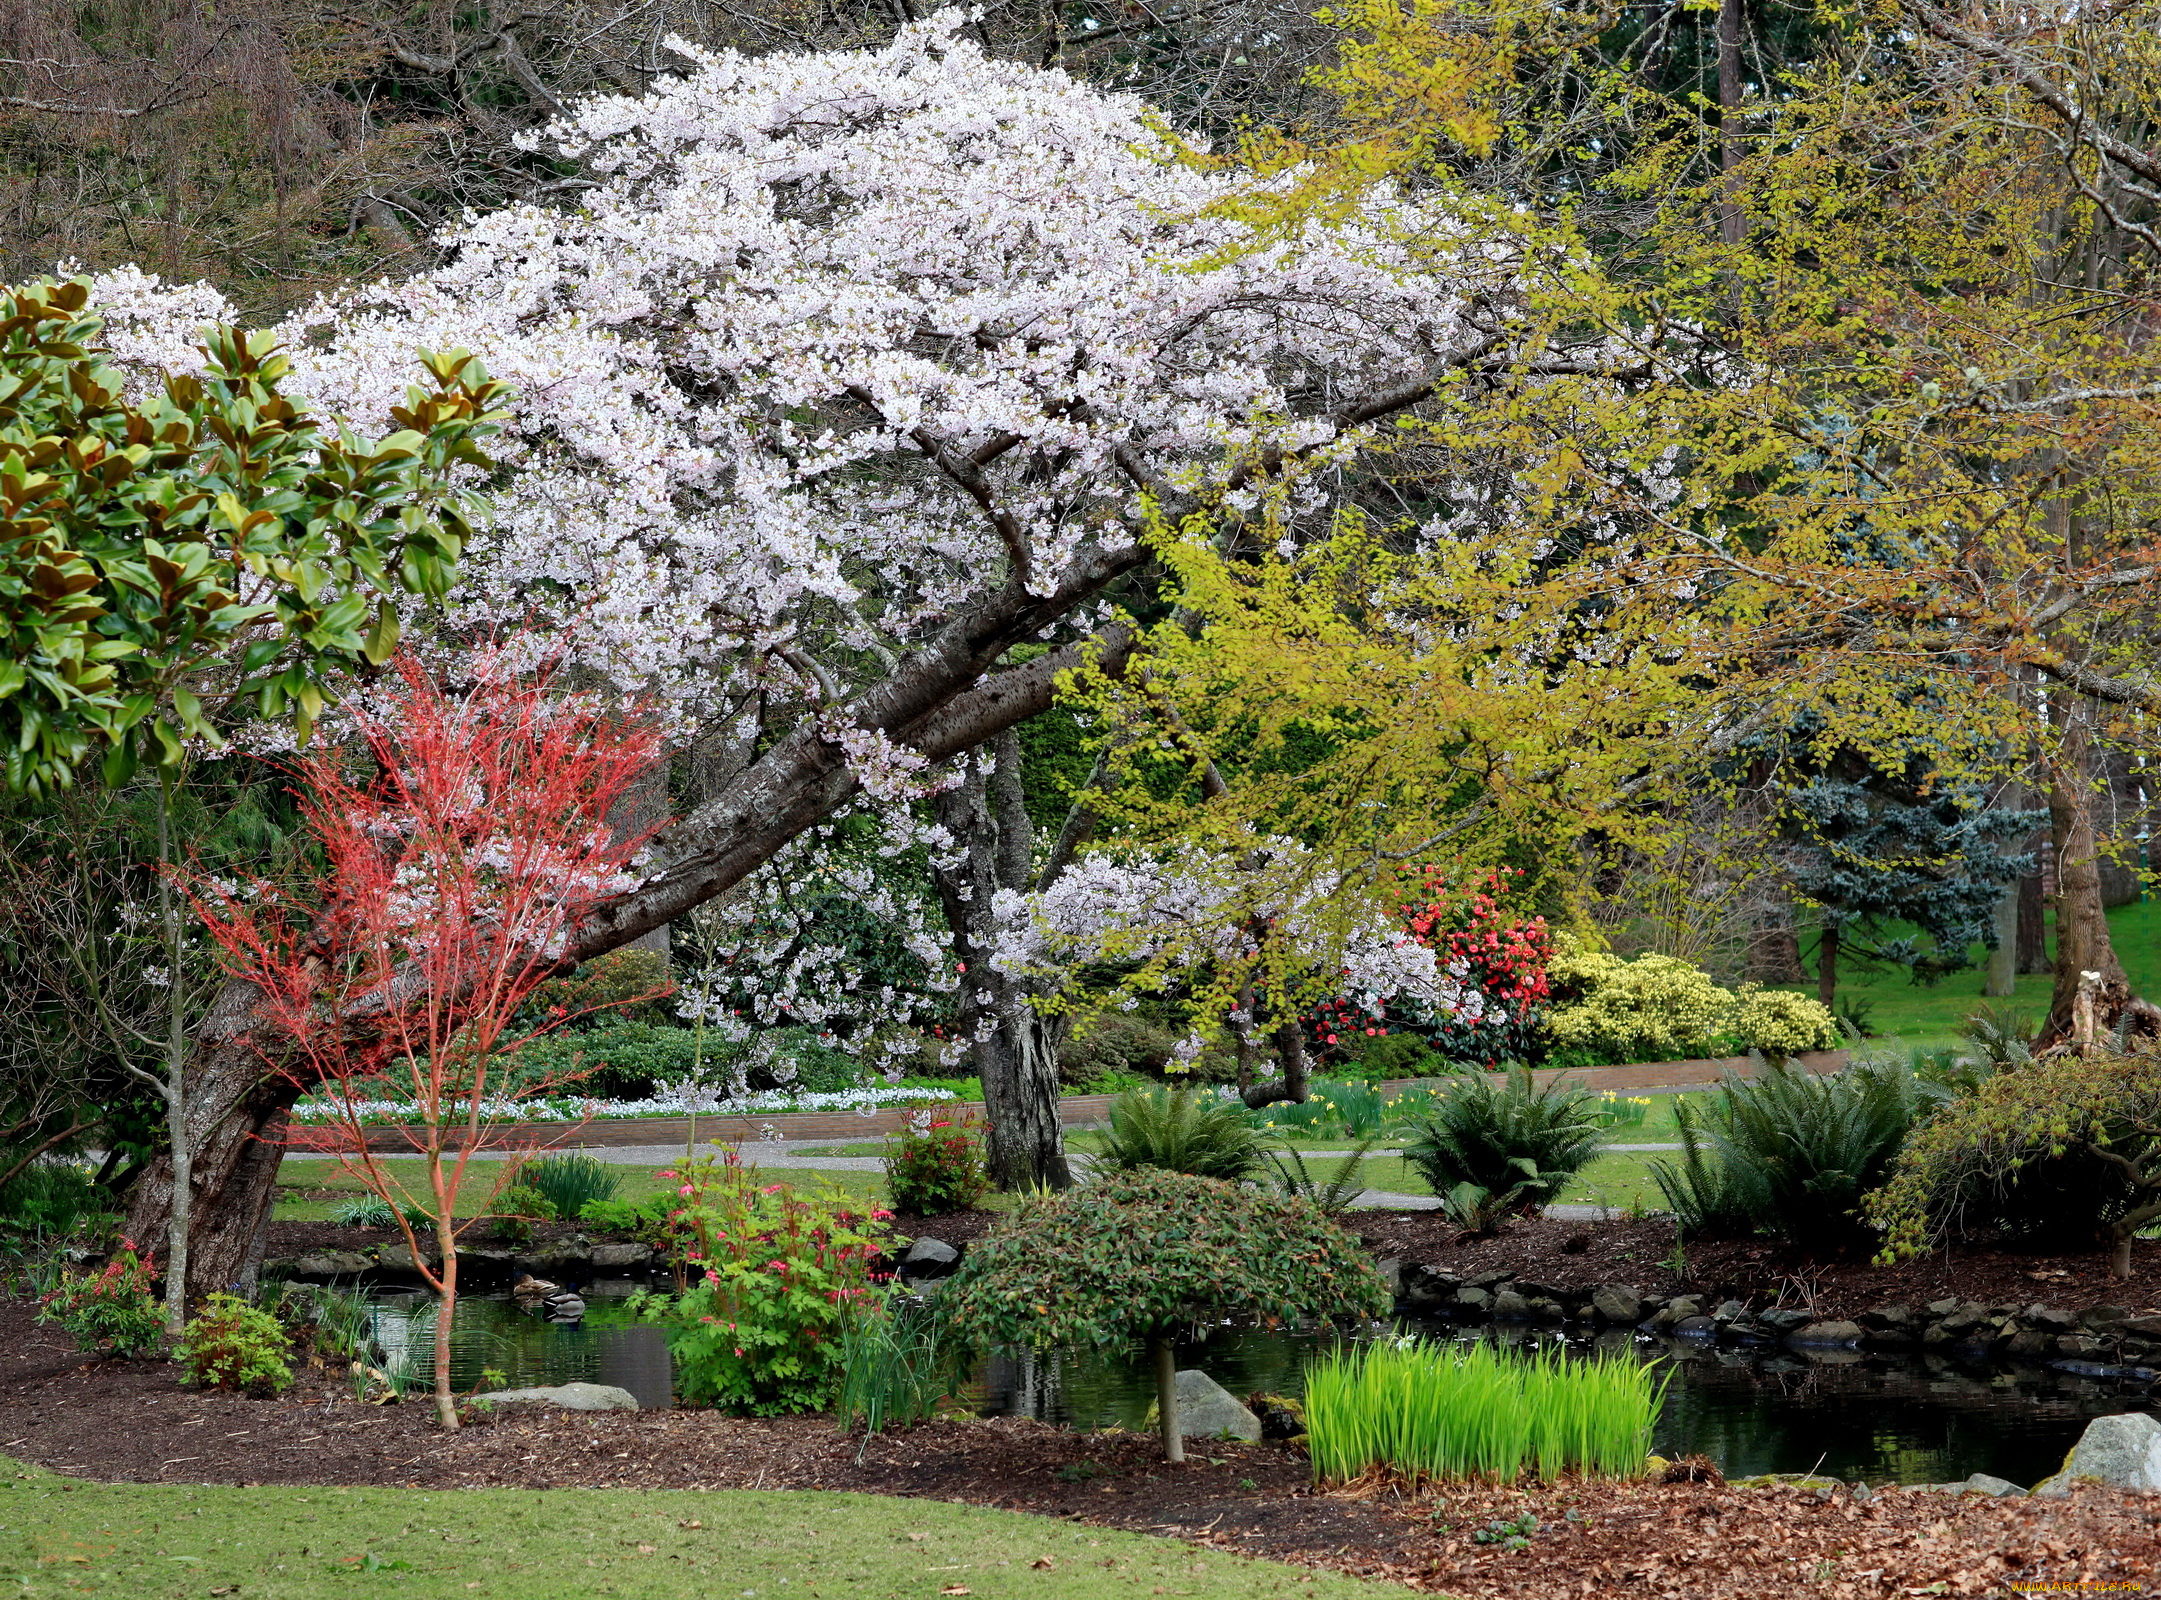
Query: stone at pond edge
x,y
569,1396
1826,1335
622,1255
1617,1302
1207,1410
929,1258
2122,1451
331,1264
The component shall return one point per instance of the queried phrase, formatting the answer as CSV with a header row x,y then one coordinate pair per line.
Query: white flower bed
x,y
675,1100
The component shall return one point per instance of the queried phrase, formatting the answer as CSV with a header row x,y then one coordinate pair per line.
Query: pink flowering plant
x,y
770,1279
934,1162
112,1311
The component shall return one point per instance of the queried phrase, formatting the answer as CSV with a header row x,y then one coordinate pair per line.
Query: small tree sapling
x,y
1141,1254
453,875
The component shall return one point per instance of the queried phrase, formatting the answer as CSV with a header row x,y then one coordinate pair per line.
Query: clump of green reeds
x,y
1470,1411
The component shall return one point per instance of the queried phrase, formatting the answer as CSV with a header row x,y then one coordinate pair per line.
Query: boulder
x,y
1730,1311
1784,1321
2030,1343
1979,1483
1616,1302
1695,1328
622,1255
2051,1318
1826,1335
2079,1346
1678,1310
2123,1451
1472,1298
929,1258
569,1396
2146,1325
2103,1319
1423,1289
1391,1272
332,1264
1207,1410
1510,1306
1882,1317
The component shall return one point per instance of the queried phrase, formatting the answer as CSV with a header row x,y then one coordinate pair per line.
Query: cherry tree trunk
x,y
236,1115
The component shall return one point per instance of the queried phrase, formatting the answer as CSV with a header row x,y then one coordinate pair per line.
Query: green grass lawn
x,y
311,1187
1929,1017
171,1542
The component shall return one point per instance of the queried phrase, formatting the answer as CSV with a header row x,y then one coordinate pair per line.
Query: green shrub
x,y
50,1199
934,1163
568,1183
621,1059
112,1312
1660,1008
373,1211
783,1274
645,1219
1139,1254
231,1345
1518,1143
524,1201
1796,1150
2072,1141
621,986
1447,1412
1182,1130
1332,1196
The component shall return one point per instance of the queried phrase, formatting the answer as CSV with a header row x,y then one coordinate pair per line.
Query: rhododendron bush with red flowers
x,y
769,1280
458,853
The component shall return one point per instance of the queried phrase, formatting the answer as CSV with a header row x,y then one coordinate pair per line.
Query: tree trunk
x,y
1291,1087
1015,1050
2082,938
1732,225
1827,964
1167,1419
1774,954
235,1121
2000,975
446,1304
2032,926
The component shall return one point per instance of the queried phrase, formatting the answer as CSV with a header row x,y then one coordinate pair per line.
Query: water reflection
x,y
492,1334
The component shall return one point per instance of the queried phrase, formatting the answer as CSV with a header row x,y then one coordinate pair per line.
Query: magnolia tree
x,y
849,374
454,876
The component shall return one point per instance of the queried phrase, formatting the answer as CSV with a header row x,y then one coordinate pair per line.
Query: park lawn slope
x,y
165,1542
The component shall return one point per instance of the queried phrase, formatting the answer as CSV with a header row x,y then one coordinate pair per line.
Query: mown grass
x,y
171,1542
311,1187
1446,1411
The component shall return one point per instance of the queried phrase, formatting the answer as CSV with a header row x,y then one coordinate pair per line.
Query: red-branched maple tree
x,y
463,837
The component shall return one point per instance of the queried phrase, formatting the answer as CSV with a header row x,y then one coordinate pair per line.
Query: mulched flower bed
x,y
1640,1254
131,1421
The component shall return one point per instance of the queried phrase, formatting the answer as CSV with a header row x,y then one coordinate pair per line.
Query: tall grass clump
x,y
569,1182
1437,1411
1181,1130
896,1365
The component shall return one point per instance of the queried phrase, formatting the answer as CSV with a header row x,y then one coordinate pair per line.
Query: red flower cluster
x,y
1506,955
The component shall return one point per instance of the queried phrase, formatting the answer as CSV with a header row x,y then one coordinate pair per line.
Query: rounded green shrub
x,y
1661,1008
231,1345
1182,1130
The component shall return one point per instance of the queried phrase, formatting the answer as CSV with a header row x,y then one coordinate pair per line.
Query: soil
x,y
132,1421
1571,1255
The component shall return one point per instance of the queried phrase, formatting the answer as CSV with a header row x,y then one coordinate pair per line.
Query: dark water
x,y
1906,1419
490,1333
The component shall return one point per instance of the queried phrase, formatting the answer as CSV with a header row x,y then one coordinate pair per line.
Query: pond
x,y
1904,1419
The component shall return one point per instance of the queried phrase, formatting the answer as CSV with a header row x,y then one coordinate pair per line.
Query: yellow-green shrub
x,y
1661,1008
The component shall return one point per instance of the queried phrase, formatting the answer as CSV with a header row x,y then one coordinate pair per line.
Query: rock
x,y
1695,1328
1979,1483
1942,1308
1784,1321
929,1258
1826,1335
1424,1289
1473,1298
2052,1318
1678,1310
2030,1342
1729,1311
1281,1417
1511,1306
1964,1319
1207,1410
2078,1345
569,1396
1545,1309
1616,1302
622,1255
1881,1317
2102,1319
1891,1339
332,1264
2123,1451
1486,1280
1539,1291
2146,1325
1391,1272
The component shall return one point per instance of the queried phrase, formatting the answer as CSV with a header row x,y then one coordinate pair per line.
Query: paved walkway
x,y
803,1156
